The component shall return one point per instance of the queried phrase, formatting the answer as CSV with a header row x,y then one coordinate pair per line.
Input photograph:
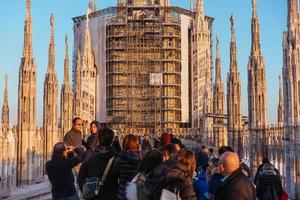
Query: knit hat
x,y
165,139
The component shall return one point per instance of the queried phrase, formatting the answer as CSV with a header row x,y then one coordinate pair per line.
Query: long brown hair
x,y
187,158
131,142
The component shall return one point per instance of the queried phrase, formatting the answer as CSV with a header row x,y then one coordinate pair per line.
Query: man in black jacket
x,y
96,165
59,170
235,185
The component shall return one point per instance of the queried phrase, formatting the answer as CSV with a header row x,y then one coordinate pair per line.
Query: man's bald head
x,y
229,163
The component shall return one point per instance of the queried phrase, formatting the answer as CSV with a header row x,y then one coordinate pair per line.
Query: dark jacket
x,y
172,176
73,138
92,143
95,167
270,184
126,165
59,170
236,187
202,159
146,146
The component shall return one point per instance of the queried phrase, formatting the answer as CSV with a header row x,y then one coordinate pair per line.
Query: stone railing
x,y
37,192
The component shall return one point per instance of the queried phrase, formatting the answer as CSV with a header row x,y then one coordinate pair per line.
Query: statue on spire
x,y
28,8
232,25
254,13
52,28
95,5
27,48
218,46
91,7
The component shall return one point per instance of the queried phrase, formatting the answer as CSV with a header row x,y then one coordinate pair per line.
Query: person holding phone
x,y
59,171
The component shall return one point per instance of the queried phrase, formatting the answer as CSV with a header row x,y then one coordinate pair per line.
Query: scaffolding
x,y
143,67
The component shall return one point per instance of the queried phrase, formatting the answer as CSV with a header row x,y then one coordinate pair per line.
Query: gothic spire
x,y
87,36
218,62
26,124
91,7
233,52
255,49
27,48
78,69
51,61
199,8
87,47
77,98
66,68
280,91
280,103
5,108
293,12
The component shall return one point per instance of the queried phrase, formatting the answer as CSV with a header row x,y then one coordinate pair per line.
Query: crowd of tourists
x,y
138,168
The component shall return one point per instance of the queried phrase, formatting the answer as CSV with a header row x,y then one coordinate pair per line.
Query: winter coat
x,y
95,167
92,143
171,176
236,187
271,184
59,170
201,186
126,167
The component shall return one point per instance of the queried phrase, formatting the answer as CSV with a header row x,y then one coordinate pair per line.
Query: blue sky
x,y
272,17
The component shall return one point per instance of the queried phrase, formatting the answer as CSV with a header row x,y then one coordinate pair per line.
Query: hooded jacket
x,y
95,167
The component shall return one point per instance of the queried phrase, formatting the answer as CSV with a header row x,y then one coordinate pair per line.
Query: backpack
x,y
269,184
270,193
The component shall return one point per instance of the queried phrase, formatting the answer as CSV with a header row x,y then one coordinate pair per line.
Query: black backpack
x,y
269,184
270,193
